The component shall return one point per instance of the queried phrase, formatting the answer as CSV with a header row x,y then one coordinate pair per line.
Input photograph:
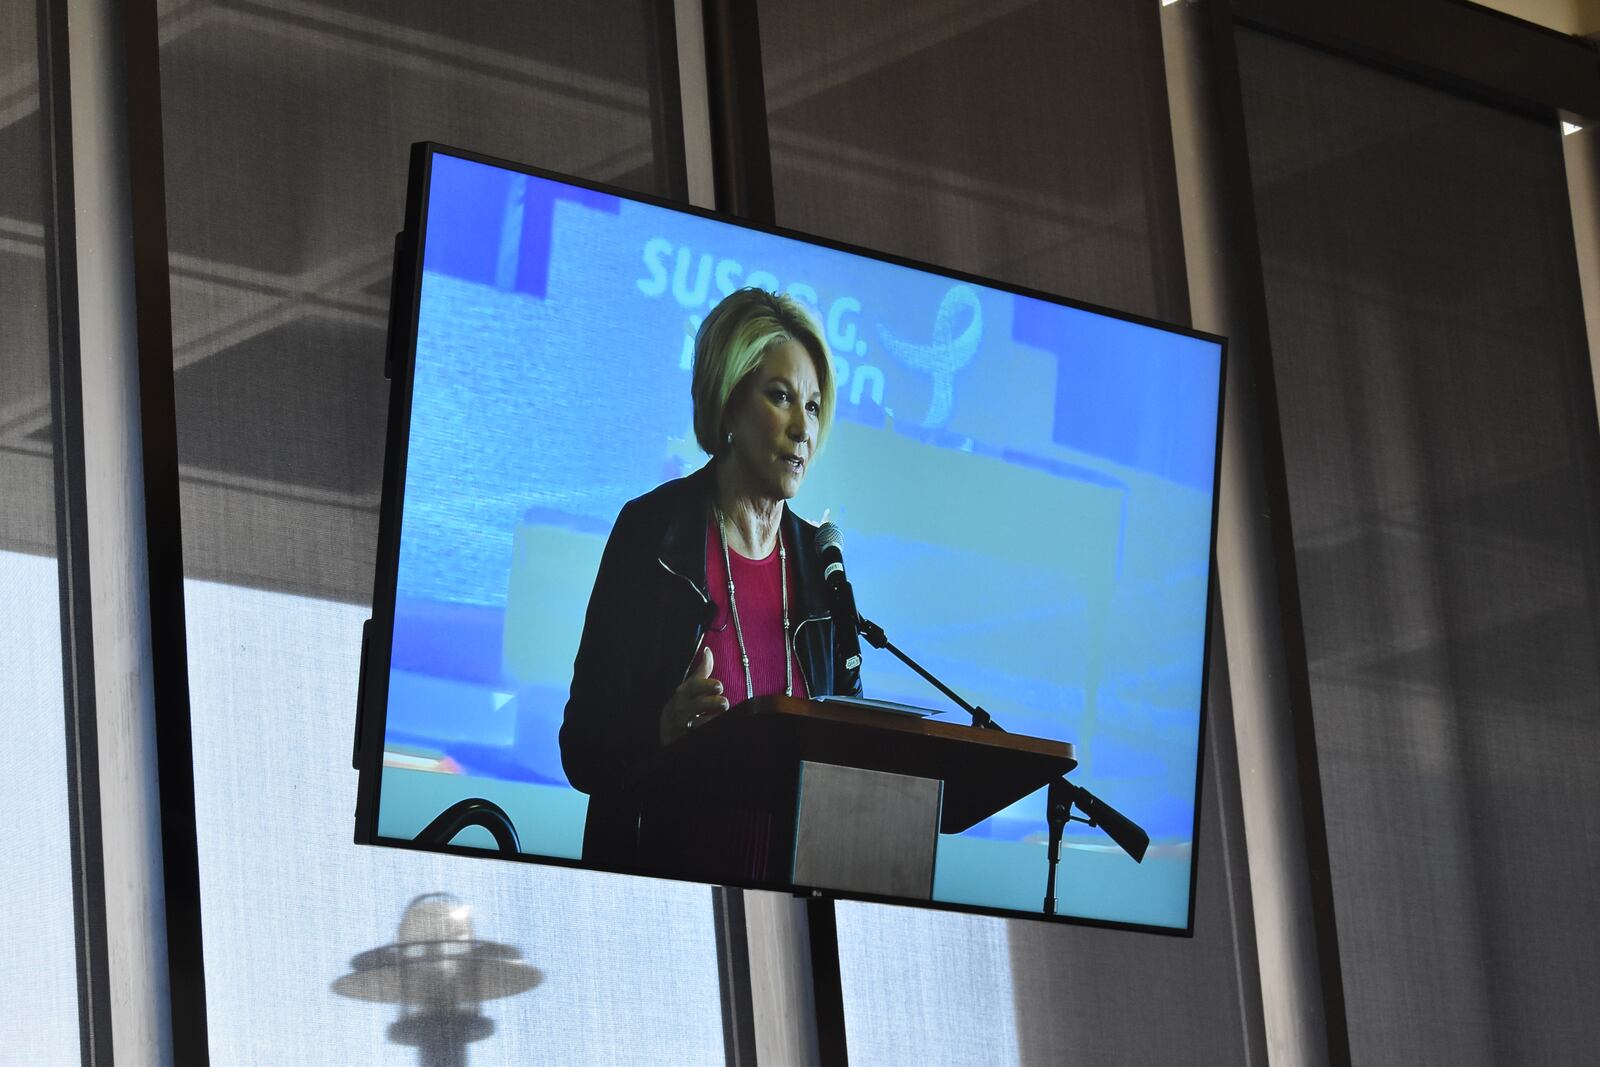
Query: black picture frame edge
x,y
1213,611
372,699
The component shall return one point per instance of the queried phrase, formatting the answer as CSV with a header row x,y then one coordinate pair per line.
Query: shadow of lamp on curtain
x,y
439,974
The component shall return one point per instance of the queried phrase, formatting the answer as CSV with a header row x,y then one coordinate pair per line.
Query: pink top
x,y
760,599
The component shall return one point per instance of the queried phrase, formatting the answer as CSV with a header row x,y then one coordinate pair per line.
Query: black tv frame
x,y
378,632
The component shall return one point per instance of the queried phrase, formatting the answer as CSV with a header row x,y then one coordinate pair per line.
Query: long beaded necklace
x,y
733,609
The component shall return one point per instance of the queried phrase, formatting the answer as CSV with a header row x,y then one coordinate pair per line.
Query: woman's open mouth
x,y
795,463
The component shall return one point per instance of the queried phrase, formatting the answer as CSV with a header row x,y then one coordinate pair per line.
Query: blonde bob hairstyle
x,y
731,343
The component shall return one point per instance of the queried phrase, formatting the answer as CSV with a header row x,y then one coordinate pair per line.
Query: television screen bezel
x,y
377,640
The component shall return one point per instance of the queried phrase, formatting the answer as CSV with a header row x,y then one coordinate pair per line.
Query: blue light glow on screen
x,y
1025,490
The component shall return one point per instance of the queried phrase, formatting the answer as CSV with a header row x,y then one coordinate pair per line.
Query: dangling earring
x,y
727,439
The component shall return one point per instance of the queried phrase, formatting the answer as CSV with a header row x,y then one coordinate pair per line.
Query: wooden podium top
x,y
758,740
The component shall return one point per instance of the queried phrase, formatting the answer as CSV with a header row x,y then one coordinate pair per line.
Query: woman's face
x,y
773,417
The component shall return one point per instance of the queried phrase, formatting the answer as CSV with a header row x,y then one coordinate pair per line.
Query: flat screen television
x,y
1025,486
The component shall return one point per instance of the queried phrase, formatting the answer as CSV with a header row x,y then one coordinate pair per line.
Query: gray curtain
x,y
287,128
27,483
1440,440
1112,997
1022,141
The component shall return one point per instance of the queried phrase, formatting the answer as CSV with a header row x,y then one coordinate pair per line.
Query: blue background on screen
x,y
1025,490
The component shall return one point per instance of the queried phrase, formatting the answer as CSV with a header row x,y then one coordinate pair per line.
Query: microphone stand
x,y
1058,812
1061,794
878,639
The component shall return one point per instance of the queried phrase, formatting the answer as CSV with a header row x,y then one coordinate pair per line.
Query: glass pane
x,y
38,965
1022,141
1440,439
1029,142
629,965
287,131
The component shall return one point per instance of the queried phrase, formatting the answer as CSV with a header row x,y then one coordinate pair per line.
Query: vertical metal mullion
x,y
1290,873
694,111
666,104
130,760
696,155
794,939
733,977
736,90
163,524
1163,225
72,558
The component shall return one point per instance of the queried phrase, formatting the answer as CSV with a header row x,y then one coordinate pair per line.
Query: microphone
x,y
842,604
1128,835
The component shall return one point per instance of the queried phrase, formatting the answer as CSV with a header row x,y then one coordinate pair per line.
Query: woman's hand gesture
x,y
698,698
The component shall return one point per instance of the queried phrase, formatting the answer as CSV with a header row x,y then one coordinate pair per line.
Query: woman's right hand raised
x,y
698,698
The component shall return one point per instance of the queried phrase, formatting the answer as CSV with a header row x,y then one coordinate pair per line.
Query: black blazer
x,y
647,613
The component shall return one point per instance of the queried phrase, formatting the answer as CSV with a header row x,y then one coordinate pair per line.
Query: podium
x,y
785,792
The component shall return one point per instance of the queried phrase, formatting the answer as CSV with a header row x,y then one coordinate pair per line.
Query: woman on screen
x,y
710,592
